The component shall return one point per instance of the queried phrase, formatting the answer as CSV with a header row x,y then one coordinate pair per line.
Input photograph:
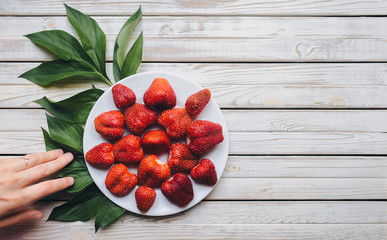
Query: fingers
x,y
19,164
43,157
43,189
38,172
20,217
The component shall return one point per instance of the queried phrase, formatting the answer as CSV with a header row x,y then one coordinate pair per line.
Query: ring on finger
x,y
26,158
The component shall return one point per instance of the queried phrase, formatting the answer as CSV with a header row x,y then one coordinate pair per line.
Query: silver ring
x,y
26,158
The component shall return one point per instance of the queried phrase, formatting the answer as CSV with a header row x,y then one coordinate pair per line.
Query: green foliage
x,y
86,58
107,213
121,44
75,108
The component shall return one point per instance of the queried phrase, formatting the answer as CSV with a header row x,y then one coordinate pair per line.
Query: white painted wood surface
x,y
197,7
302,86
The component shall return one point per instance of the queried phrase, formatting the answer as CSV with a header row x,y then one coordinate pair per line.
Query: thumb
x,y
20,217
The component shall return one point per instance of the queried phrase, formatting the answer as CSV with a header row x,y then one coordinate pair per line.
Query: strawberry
x,y
145,197
119,181
138,117
203,135
152,172
100,156
110,124
180,158
175,121
197,101
123,96
178,189
155,142
204,173
160,95
128,150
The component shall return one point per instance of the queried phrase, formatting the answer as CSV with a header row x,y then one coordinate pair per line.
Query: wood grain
x,y
305,167
22,120
227,50
250,143
195,7
316,74
335,143
299,188
261,212
301,167
211,27
227,96
80,230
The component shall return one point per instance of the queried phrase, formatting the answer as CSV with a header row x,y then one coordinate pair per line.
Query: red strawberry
x,y
152,172
110,124
203,135
160,95
119,181
175,121
138,117
197,101
155,141
178,189
101,156
180,158
145,197
128,150
204,173
123,96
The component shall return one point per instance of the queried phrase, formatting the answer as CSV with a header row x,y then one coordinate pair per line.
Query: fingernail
x,y
70,180
59,151
69,156
38,215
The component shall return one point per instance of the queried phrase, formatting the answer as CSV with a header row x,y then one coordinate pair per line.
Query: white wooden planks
x,y
299,188
200,231
224,39
315,74
250,143
263,212
227,50
226,96
195,7
22,120
302,167
211,27
229,220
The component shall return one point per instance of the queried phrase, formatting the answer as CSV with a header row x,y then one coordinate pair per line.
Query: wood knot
x,y
233,168
48,24
166,30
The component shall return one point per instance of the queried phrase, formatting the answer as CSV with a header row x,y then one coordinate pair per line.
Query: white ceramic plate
x,y
183,88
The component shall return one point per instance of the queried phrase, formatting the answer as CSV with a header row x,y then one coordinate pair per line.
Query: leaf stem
x,y
106,80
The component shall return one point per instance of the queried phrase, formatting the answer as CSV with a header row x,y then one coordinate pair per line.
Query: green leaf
x,y
122,41
76,169
61,44
80,208
51,144
81,176
133,58
92,37
66,133
75,108
108,212
53,71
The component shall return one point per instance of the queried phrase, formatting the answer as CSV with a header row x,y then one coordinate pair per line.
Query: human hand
x,y
18,187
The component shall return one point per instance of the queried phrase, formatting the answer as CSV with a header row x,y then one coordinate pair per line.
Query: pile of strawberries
x,y
131,150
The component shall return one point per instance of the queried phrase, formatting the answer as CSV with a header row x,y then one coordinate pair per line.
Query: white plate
x,y
183,88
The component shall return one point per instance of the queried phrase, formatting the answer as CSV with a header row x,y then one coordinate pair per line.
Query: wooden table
x,y
303,88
